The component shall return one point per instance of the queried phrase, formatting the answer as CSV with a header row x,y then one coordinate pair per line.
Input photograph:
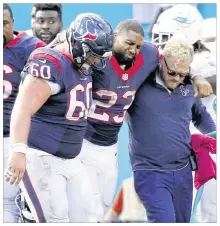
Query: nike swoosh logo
x,y
42,61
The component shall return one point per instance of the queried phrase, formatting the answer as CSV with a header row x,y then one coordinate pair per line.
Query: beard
x,y
48,39
122,59
4,40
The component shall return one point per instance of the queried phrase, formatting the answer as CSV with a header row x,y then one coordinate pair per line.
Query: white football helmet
x,y
184,19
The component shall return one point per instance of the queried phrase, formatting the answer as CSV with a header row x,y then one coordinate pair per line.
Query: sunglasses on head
x,y
175,73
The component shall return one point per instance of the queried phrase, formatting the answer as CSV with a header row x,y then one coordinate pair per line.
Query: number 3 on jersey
x,y
113,98
76,108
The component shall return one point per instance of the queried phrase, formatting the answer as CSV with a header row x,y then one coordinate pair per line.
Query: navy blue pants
x,y
166,196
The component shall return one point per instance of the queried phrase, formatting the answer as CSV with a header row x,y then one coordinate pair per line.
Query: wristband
x,y
20,147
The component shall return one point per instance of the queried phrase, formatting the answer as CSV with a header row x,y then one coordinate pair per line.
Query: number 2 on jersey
x,y
113,98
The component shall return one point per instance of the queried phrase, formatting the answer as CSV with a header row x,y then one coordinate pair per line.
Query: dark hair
x,y
49,6
200,47
7,7
130,25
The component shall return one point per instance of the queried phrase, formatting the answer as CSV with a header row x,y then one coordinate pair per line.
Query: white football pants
x,y
57,190
102,168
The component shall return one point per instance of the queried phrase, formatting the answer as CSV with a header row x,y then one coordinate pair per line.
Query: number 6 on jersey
x,y
78,109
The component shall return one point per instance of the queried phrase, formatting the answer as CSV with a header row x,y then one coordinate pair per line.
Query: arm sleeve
x,y
118,203
201,118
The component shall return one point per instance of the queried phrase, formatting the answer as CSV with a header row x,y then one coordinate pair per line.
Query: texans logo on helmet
x,y
86,30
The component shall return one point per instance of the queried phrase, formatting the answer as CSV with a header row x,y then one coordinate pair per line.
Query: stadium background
x,y
114,13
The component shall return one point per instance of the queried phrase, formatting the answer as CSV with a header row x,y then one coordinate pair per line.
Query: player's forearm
x,y
20,126
202,87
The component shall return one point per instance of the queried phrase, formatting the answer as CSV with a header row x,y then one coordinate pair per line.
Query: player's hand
x,y
60,38
16,168
202,87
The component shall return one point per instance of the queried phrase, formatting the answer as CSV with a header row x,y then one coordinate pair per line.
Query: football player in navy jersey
x,y
49,120
17,47
114,89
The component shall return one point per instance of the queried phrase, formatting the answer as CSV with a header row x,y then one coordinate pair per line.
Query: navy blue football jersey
x,y
16,53
59,125
113,92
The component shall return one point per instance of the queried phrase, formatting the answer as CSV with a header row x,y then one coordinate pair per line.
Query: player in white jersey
x,y
186,20
205,62
209,38
206,211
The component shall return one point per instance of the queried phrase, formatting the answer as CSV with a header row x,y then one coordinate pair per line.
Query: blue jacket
x,y
159,135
